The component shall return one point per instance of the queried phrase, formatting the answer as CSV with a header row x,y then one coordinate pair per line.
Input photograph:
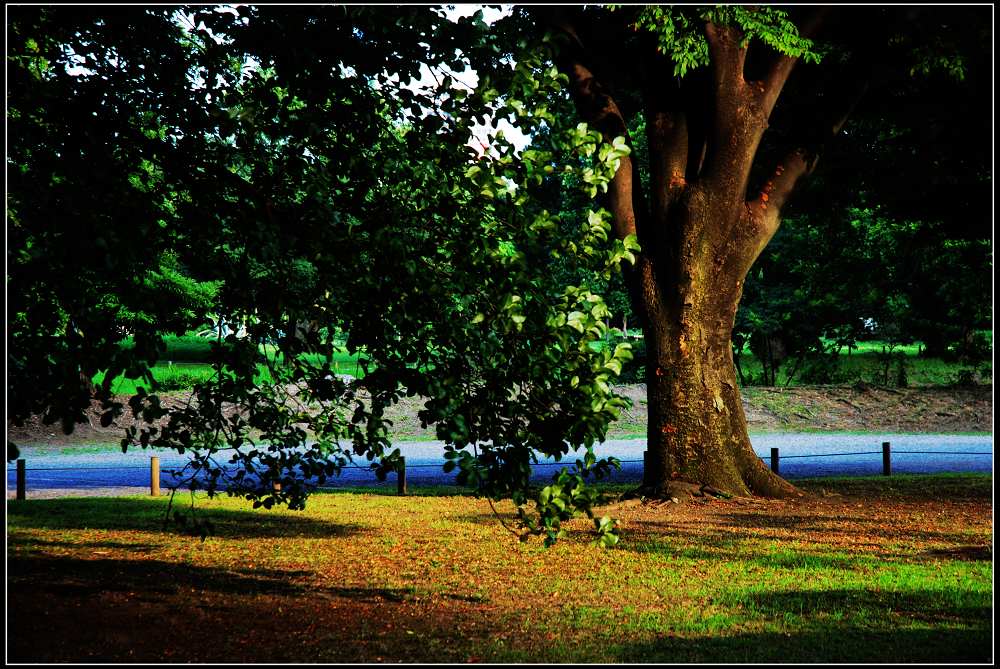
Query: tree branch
x,y
800,162
777,75
737,124
727,59
601,112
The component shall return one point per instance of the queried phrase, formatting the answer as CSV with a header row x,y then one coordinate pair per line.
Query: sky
x,y
480,141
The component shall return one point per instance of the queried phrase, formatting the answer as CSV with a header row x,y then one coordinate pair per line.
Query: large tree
x,y
724,160
273,156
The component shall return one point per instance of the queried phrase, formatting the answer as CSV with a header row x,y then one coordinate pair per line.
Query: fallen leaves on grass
x,y
360,578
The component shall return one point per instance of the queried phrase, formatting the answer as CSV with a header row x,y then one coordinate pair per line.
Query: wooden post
x,y
886,459
20,479
401,477
774,460
154,476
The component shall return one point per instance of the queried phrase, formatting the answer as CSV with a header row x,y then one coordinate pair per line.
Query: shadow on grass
x,y
969,553
861,624
833,644
948,606
717,546
30,543
953,486
696,540
72,609
830,525
147,514
389,490
68,576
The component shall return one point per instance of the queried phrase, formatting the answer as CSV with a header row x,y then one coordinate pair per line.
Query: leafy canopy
x,y
680,35
296,191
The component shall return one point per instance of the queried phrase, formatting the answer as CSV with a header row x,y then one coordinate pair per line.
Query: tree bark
x,y
697,430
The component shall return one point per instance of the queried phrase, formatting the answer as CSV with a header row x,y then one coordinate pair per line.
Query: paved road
x,y
802,455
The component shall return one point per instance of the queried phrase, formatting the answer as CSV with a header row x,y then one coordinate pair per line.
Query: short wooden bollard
x,y
401,477
886,459
154,476
774,460
20,479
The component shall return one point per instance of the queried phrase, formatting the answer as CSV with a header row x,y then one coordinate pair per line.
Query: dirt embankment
x,y
819,408
858,408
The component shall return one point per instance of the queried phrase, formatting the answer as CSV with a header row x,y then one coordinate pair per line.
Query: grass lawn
x,y
863,363
860,366
185,363
867,366
866,570
183,375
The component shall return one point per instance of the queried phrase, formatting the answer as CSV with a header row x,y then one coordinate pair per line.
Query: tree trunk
x,y
697,432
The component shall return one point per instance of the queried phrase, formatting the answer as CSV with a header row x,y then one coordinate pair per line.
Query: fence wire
x,y
532,464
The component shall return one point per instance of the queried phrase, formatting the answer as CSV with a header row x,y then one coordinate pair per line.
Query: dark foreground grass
x,y
865,570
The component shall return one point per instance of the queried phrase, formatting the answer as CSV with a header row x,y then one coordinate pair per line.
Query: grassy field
x,y
865,570
184,366
866,362
867,366
185,363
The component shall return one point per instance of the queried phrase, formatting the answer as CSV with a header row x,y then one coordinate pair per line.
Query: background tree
x,y
865,256
273,157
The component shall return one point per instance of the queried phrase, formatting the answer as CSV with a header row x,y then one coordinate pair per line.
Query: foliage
x,y
858,275
861,256
902,262
848,367
565,194
680,36
90,217
299,189
316,195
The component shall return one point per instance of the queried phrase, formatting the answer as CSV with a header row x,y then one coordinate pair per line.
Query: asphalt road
x,y
801,456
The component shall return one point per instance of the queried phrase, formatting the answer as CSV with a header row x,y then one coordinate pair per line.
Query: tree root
x,y
676,492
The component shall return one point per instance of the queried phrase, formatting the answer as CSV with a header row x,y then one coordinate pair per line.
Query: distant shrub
x,y
972,376
902,380
187,348
182,348
888,359
965,377
821,370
